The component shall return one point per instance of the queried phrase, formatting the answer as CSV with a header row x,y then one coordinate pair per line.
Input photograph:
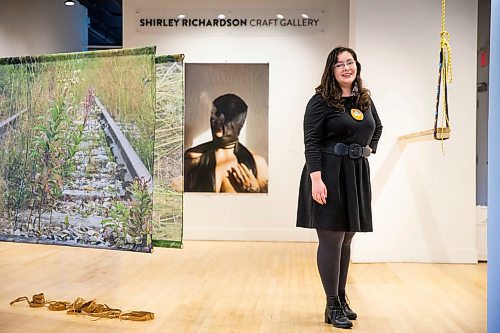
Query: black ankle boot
x,y
334,314
344,303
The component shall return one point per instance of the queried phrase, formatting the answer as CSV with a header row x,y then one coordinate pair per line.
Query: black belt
x,y
353,150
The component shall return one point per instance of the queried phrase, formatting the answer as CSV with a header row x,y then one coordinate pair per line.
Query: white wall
x,y
424,202
31,27
296,61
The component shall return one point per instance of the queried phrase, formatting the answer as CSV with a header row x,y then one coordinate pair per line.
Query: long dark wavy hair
x,y
330,89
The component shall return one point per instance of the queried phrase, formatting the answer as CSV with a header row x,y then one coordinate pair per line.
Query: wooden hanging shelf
x,y
442,133
421,134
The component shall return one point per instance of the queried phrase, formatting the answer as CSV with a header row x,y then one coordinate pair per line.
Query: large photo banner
x,y
226,138
76,149
169,132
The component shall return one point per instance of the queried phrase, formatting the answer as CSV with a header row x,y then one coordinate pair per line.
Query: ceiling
x,y
105,23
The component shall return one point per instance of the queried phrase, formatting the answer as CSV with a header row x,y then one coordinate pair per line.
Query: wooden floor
x,y
233,287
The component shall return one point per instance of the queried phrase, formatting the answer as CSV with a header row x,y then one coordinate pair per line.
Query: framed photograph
x,y
226,128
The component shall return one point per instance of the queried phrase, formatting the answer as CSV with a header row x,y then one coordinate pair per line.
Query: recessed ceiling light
x,y
69,3
304,15
181,16
221,16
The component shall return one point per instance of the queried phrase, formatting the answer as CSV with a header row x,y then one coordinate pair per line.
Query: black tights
x,y
334,253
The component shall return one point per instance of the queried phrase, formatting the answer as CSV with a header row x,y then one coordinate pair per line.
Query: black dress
x,y
348,203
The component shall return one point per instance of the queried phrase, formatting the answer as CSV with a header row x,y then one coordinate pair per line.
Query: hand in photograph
x,y
243,179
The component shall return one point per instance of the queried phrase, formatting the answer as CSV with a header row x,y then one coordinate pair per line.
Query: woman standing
x,y
341,129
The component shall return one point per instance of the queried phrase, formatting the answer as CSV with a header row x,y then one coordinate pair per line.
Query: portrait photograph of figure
x,y
226,135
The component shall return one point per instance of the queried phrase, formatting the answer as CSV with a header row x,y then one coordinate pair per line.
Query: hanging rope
x,y
445,76
445,43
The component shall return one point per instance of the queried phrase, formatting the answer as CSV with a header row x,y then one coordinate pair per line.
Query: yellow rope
x,y
445,43
447,71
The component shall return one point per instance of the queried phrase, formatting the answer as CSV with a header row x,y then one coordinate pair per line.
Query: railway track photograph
x,y
77,137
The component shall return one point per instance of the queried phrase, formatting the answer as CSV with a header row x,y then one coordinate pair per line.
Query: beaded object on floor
x,y
82,307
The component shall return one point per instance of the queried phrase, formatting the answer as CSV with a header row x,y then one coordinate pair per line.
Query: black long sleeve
x,y
378,129
314,119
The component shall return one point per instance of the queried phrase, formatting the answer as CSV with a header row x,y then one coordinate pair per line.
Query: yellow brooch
x,y
357,114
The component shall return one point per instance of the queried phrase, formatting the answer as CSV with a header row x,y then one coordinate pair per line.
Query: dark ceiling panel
x,y
105,23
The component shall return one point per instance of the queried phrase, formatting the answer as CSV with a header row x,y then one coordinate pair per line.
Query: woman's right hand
x,y
318,190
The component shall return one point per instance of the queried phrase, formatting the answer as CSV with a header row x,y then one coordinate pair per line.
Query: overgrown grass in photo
x,y
168,176
127,90
57,169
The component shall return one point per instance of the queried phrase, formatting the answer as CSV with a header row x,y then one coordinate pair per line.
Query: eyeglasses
x,y
341,65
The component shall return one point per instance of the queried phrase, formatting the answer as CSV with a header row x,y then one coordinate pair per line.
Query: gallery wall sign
x,y
228,20
77,149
